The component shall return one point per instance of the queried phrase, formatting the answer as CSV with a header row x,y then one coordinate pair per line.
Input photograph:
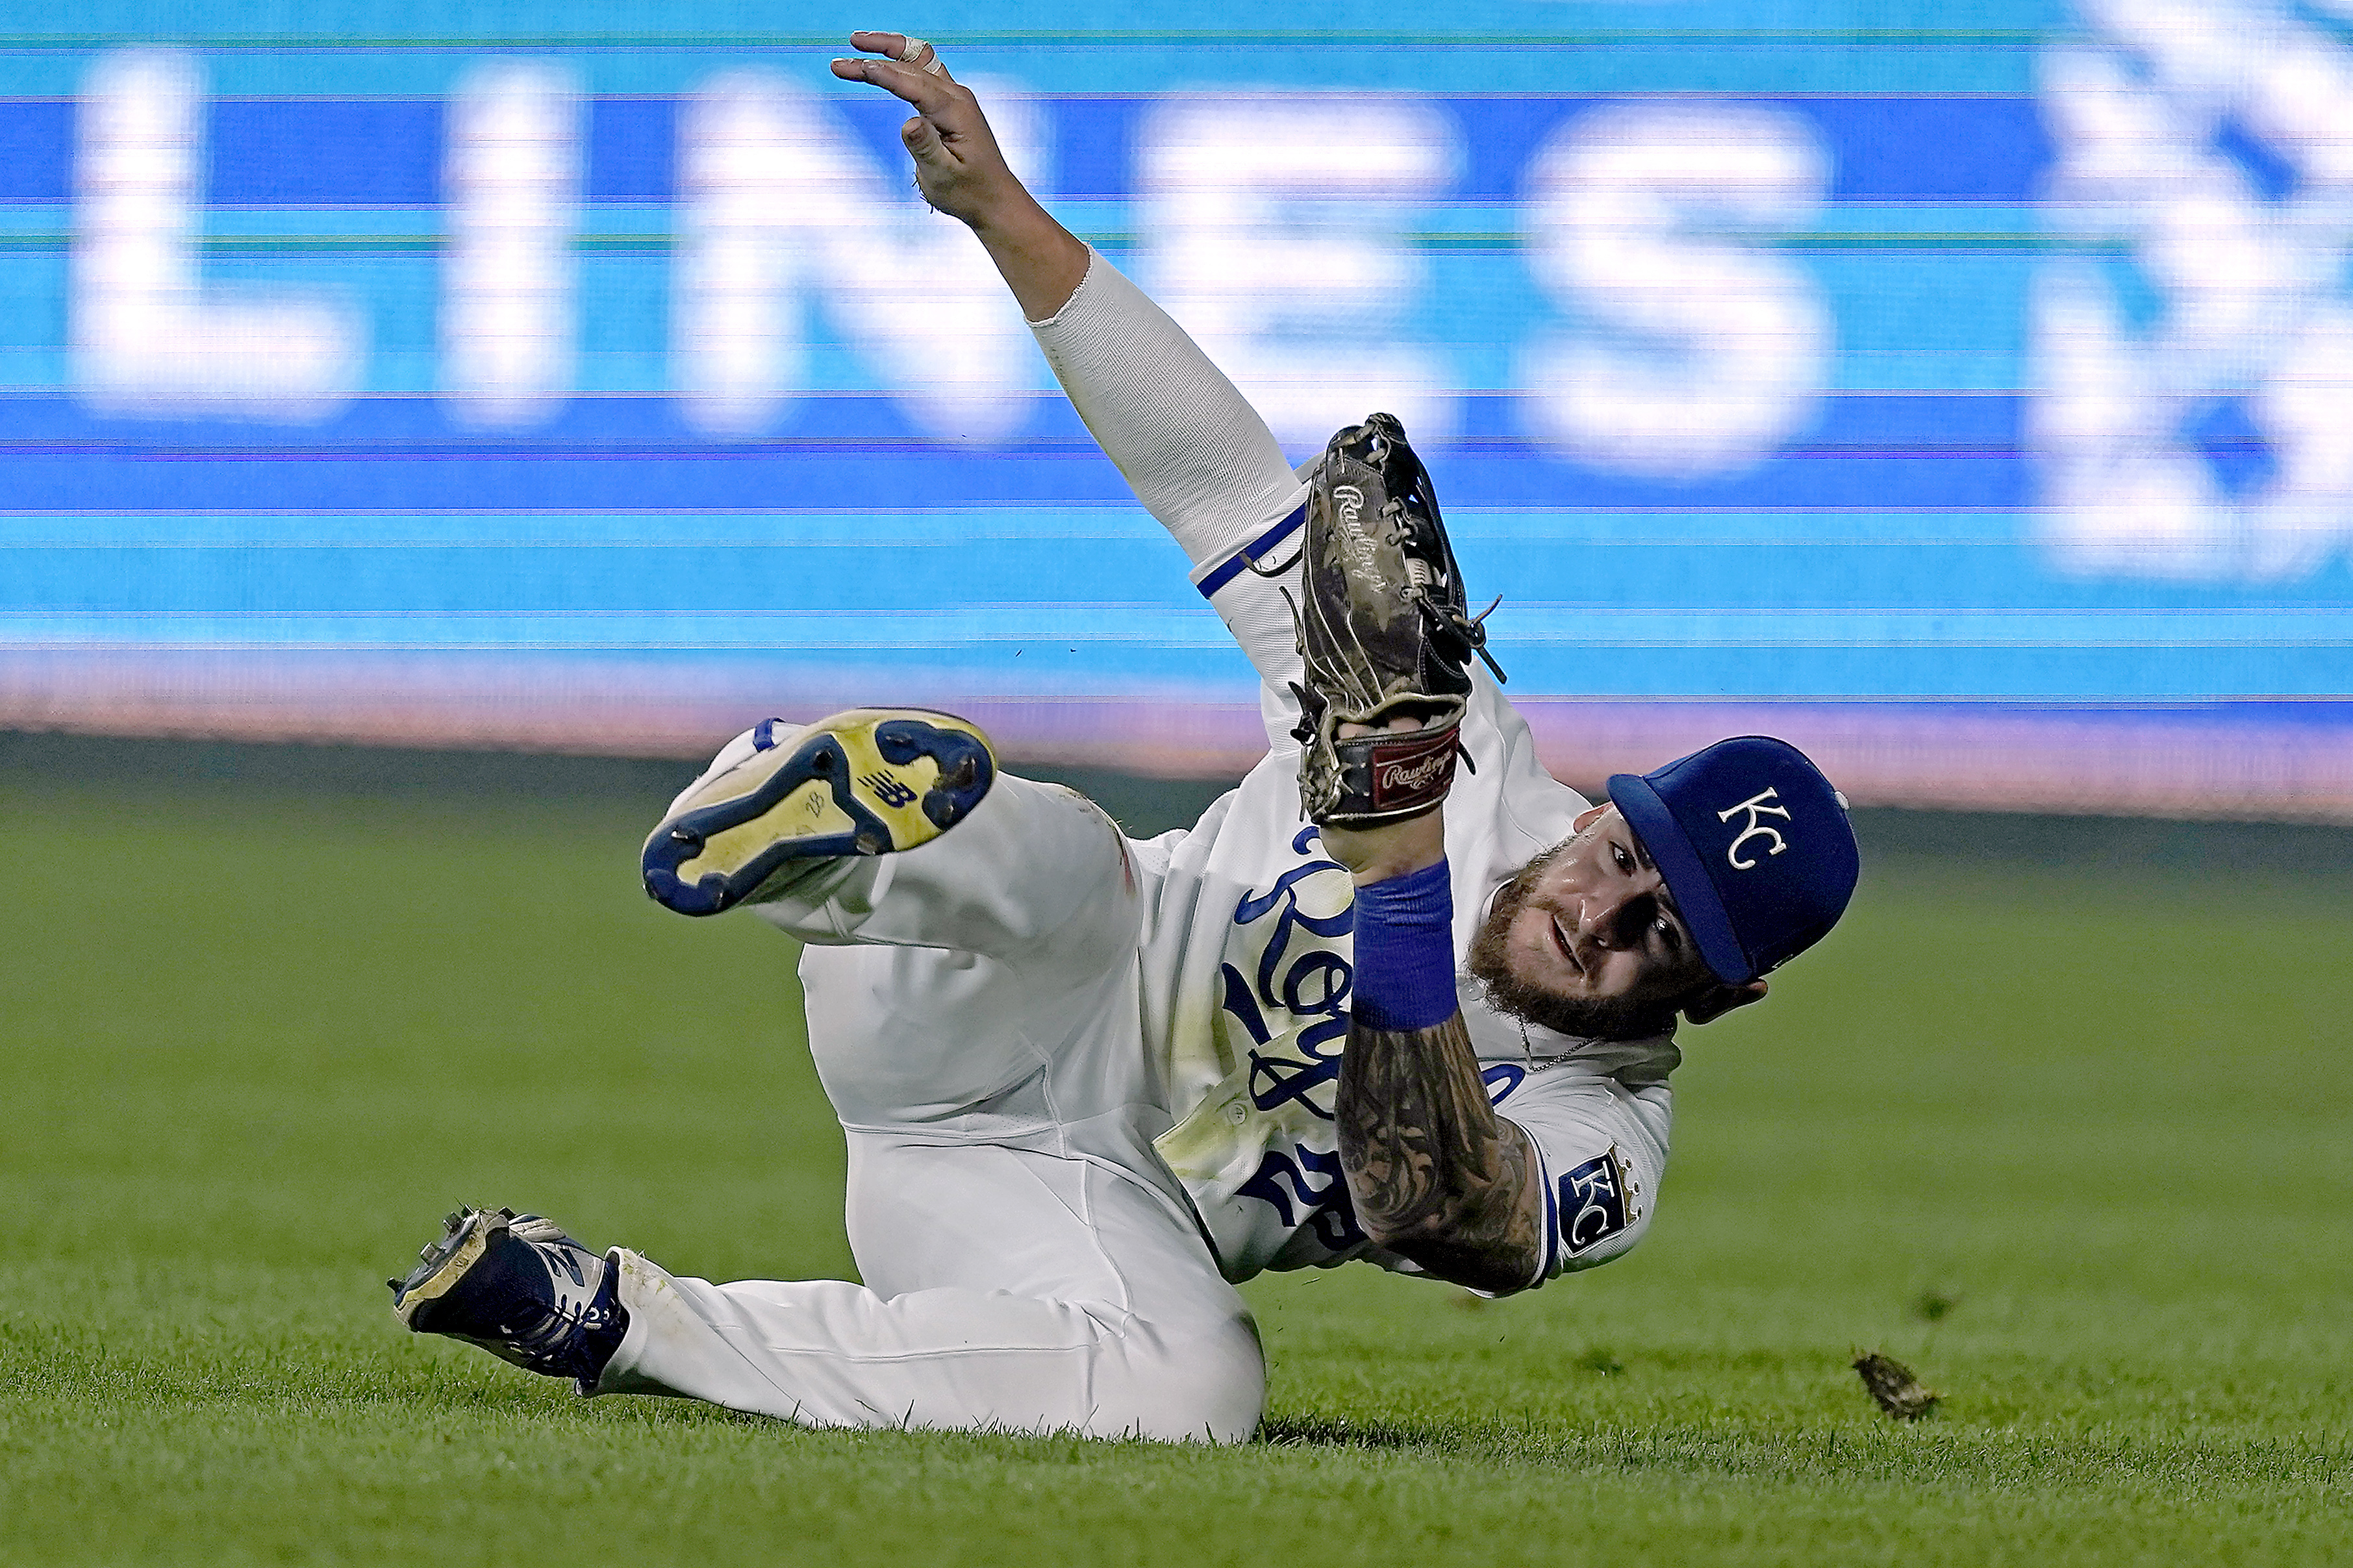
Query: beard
x,y
1584,1017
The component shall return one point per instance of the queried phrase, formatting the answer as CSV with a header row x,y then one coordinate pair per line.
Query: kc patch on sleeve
x,y
1593,1205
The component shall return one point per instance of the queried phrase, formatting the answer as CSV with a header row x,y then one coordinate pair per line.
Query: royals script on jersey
x,y
1247,969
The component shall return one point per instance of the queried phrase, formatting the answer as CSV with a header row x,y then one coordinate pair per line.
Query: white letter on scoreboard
x,y
510,192
774,198
1693,355
145,337
1275,227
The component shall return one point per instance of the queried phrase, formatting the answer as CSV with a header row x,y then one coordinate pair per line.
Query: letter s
x,y
1693,356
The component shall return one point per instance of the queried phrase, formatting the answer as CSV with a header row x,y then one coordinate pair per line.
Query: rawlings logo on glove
x,y
1408,767
1383,632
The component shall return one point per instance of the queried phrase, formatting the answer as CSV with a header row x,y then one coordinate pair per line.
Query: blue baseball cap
x,y
1754,846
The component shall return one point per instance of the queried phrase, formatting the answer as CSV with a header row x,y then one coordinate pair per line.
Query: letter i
x,y
510,181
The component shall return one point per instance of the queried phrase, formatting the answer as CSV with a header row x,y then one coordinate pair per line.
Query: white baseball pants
x,y
1028,1263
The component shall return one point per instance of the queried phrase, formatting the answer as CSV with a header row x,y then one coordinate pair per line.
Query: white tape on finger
x,y
913,55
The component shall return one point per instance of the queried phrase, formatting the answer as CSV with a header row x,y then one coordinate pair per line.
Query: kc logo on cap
x,y
1777,882
1756,807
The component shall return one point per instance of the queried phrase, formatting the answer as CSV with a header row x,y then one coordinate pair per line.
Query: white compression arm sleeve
x,y
1195,453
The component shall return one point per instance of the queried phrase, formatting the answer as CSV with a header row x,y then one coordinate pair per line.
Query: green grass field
x,y
2063,1117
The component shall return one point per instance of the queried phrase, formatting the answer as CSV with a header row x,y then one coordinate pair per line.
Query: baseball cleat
x,y
873,780
521,1288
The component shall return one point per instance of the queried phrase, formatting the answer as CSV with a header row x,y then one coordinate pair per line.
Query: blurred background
x,y
1962,390
427,430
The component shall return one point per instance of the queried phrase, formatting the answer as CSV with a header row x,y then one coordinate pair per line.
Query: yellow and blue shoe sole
x,y
873,780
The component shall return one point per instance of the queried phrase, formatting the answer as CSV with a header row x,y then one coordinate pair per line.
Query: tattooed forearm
x,y
1436,1174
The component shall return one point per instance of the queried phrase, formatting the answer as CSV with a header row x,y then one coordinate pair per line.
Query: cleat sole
x,y
869,781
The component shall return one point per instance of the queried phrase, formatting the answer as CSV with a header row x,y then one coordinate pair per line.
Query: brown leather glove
x,y
1384,632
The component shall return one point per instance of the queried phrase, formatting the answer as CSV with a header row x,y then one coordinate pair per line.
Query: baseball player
x,y
1400,997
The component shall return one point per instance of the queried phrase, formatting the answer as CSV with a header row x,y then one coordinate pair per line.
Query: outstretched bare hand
x,y
958,166
960,171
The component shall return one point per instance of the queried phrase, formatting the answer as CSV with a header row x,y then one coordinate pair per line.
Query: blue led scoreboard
x,y
1963,391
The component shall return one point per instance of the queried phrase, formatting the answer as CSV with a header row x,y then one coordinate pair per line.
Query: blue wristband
x,y
1405,951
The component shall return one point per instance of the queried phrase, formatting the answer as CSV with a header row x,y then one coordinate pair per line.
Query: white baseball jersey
x,y
1246,954
1246,972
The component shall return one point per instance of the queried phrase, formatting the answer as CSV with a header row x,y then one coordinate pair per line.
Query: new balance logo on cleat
x,y
873,780
887,790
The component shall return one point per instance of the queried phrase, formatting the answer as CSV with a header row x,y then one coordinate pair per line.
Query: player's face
x,y
1587,938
